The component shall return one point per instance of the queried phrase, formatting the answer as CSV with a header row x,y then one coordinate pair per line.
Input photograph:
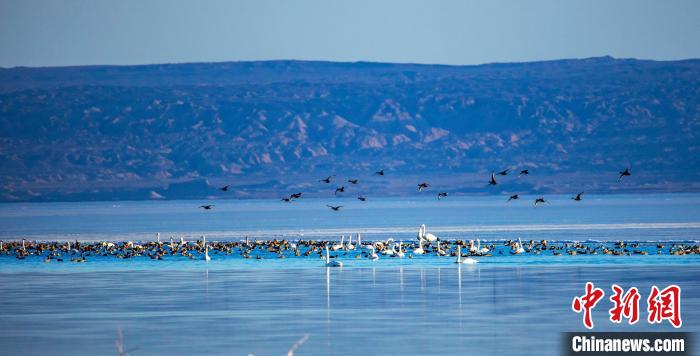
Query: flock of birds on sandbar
x,y
422,186
462,251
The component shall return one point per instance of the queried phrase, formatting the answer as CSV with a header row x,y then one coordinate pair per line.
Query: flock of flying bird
x,y
421,187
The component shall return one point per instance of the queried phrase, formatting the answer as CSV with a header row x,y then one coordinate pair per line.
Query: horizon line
x,y
609,57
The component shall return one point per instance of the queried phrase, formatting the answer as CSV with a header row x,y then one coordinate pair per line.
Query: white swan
x,y
468,260
472,248
373,253
426,236
520,248
206,249
349,245
481,250
400,254
330,263
158,237
419,250
440,252
340,245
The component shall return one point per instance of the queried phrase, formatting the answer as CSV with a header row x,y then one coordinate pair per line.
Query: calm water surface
x,y
348,311
645,217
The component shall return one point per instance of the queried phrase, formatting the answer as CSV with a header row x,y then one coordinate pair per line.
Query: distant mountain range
x,y
271,128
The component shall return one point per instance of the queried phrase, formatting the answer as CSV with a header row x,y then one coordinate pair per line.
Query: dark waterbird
x,y
513,197
339,189
577,197
539,201
295,195
624,173
335,208
492,181
361,198
379,173
327,180
288,200
225,188
524,172
442,195
422,186
504,172
207,207
353,181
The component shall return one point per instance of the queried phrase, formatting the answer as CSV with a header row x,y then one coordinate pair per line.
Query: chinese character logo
x,y
665,305
587,302
626,305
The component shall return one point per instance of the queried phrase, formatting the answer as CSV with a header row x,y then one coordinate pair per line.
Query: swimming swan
x,y
419,250
467,260
426,236
330,263
206,249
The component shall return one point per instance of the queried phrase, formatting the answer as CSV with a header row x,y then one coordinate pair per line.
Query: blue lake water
x,y
426,305
609,217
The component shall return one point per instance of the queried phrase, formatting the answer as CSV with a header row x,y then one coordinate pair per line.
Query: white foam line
x,y
304,233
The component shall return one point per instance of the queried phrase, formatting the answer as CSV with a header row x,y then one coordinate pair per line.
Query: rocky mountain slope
x,y
272,127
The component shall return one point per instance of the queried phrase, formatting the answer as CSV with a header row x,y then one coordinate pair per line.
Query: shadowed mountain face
x,y
271,128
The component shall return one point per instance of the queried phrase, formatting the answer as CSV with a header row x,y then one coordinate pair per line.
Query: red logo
x,y
665,305
662,305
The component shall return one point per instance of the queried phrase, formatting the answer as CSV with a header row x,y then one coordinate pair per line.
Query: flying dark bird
x,y
422,186
207,207
225,188
361,198
577,197
539,201
288,200
624,173
524,172
504,172
380,173
335,208
493,179
327,180
513,197
340,189
353,181
295,196
442,195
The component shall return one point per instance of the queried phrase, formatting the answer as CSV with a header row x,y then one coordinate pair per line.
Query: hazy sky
x,y
70,32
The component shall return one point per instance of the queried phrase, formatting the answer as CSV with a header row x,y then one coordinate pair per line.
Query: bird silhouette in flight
x,y
539,201
624,173
492,181
361,198
353,181
327,180
524,172
442,195
577,197
339,189
207,207
225,188
504,172
335,208
513,197
379,173
422,186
